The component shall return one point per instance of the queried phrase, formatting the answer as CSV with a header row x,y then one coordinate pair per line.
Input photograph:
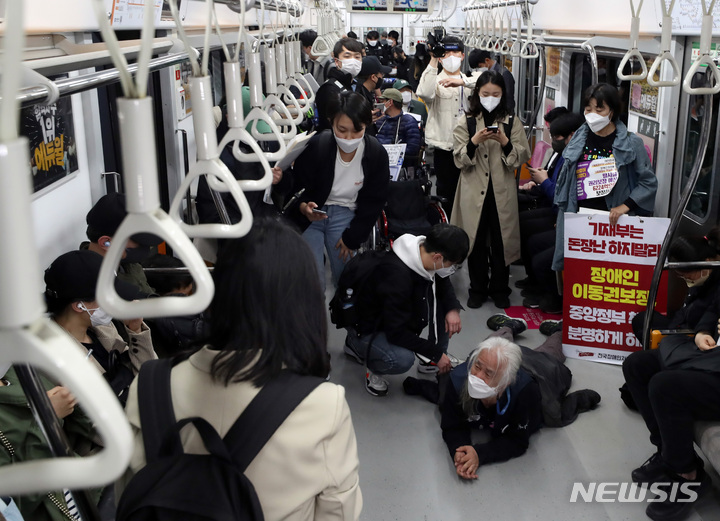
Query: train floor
x,y
406,473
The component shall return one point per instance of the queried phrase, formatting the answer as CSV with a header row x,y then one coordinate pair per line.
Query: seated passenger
x,y
23,440
269,316
70,283
344,173
507,389
673,387
702,284
409,288
370,81
411,104
103,220
396,127
171,335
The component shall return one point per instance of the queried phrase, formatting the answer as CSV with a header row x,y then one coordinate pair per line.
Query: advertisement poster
x,y
53,152
608,271
644,98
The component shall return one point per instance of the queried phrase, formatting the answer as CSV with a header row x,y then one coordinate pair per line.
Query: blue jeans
x,y
387,358
324,235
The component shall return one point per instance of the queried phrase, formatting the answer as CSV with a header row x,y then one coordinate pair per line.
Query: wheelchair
x,y
410,208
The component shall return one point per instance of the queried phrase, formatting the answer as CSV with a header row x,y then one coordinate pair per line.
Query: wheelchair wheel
x,y
436,214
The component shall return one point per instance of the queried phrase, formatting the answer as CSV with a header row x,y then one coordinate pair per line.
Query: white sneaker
x,y
375,385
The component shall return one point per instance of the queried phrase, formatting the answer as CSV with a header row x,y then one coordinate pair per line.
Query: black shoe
x,y
427,389
653,470
350,351
525,283
495,322
531,301
677,506
475,301
552,305
548,327
502,301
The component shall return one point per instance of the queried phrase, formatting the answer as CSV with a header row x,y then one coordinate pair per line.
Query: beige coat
x,y
489,160
307,471
140,351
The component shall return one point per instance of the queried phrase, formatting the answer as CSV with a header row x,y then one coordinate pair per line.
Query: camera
x,y
437,45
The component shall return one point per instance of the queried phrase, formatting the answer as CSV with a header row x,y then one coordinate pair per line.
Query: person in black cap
x,y
370,80
103,220
70,283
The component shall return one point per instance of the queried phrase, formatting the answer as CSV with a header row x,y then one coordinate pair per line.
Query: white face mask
x,y
348,145
451,63
442,271
478,389
490,103
372,43
351,66
407,97
699,281
98,317
596,122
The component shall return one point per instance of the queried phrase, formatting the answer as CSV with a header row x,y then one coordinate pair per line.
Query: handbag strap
x,y
268,410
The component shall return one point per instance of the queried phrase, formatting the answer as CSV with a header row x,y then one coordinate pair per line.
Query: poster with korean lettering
x,y
53,153
608,271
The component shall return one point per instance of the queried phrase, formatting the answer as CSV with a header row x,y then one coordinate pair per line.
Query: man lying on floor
x,y
509,390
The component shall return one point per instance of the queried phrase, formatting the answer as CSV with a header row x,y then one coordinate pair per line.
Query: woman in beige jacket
x,y
486,199
268,314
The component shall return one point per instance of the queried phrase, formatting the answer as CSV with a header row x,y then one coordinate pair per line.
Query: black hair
x,y
397,50
449,240
476,108
566,124
165,283
92,234
350,44
268,312
353,105
56,305
713,239
476,57
352,34
454,40
372,35
604,94
691,249
394,34
553,114
307,37
397,104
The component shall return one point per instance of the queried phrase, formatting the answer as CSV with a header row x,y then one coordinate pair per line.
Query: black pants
x,y
541,249
670,401
446,175
532,223
489,231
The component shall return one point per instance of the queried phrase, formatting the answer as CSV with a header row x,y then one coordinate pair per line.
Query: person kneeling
x,y
408,288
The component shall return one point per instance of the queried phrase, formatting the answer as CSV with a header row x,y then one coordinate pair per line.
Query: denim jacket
x,y
636,180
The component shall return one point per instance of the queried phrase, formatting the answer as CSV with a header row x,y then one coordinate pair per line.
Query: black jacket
x,y
398,302
314,171
337,82
510,431
406,71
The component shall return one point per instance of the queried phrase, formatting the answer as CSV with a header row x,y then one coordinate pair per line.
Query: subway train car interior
x,y
385,260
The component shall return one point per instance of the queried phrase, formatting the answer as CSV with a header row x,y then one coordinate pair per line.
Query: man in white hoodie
x,y
409,290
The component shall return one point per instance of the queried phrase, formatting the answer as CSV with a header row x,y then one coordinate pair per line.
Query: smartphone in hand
x,y
492,128
317,210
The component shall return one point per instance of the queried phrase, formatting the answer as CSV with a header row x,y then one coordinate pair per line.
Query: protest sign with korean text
x,y
608,272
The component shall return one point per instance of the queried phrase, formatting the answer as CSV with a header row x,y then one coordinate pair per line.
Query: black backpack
x,y
175,485
343,309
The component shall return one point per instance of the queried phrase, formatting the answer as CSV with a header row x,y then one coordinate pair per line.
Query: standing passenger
x,y
347,54
486,199
484,60
345,174
268,316
445,94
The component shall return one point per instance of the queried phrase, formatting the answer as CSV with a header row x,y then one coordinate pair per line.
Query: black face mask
x,y
558,145
378,83
136,255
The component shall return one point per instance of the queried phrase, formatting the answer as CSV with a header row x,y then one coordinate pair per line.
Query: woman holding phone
x,y
343,174
488,145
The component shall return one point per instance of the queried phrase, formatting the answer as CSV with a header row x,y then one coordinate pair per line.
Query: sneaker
x,y
548,327
455,361
531,302
677,506
350,351
375,385
425,366
502,301
475,301
651,471
495,322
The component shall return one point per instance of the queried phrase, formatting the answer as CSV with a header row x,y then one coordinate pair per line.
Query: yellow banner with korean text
x,y
608,272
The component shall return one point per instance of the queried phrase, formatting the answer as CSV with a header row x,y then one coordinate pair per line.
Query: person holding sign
x,y
606,167
489,144
341,183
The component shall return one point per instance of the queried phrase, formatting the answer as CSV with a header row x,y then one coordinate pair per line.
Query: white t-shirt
x,y
349,178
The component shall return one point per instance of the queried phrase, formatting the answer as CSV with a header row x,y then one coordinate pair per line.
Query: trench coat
x,y
489,161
